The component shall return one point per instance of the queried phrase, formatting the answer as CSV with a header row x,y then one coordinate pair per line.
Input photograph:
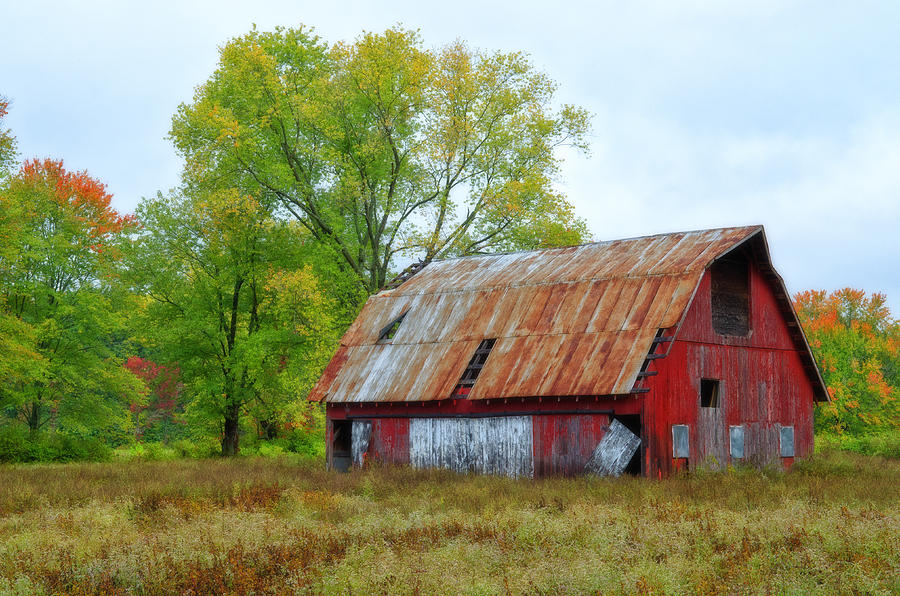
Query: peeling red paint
x,y
763,381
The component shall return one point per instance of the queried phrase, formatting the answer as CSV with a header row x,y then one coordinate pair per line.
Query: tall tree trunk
x,y
230,438
232,403
34,416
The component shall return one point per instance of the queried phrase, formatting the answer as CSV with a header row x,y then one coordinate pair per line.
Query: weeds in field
x,y
272,526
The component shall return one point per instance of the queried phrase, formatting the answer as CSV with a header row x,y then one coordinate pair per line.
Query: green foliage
x,y
885,444
856,342
302,439
62,346
17,445
7,142
310,170
383,148
236,301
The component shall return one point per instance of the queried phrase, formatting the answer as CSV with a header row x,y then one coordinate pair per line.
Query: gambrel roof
x,y
570,321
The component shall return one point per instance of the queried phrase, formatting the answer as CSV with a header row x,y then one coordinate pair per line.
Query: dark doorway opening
x,y
709,393
340,445
633,423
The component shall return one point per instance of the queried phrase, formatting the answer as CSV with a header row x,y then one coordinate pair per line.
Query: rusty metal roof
x,y
578,320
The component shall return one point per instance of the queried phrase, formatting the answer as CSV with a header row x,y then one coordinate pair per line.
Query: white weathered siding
x,y
500,445
360,437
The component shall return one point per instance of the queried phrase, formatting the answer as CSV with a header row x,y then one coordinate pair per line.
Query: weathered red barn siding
x,y
329,442
565,430
390,440
563,443
762,384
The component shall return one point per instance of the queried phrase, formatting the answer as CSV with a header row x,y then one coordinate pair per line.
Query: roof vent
x,y
470,375
388,333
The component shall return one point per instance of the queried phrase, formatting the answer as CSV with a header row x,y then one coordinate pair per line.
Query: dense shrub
x,y
155,451
884,444
17,445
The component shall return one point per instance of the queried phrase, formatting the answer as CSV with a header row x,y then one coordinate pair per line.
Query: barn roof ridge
x,y
641,257
596,243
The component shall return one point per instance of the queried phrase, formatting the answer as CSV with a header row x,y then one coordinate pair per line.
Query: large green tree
x,y
383,148
60,318
19,361
234,300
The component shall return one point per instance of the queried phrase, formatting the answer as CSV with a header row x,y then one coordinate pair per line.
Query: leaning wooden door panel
x,y
614,451
361,436
493,445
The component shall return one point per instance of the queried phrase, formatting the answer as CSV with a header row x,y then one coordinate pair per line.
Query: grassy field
x,y
274,526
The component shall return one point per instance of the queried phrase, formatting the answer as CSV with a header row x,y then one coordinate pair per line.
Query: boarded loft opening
x,y
341,432
387,334
730,280
470,375
709,393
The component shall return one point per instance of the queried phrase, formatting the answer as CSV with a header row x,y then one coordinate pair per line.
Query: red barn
x,y
643,355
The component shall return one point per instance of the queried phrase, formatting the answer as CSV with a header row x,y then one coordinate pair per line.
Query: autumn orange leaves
x,y
857,345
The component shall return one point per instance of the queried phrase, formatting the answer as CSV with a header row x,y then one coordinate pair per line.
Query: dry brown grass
x,y
264,526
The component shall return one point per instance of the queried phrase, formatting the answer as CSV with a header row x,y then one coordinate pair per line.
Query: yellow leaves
x,y
294,298
355,134
228,218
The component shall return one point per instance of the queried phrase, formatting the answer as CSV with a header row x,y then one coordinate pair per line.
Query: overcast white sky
x,y
707,114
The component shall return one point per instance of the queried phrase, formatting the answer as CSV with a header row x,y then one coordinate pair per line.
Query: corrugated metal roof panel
x,y
405,372
570,321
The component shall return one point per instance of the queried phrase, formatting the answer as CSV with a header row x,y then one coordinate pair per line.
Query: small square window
x,y
787,441
680,441
709,393
736,440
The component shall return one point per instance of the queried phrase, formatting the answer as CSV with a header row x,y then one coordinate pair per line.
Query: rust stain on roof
x,y
577,320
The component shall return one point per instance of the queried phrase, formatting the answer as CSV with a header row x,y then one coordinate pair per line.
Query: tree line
x,y
312,173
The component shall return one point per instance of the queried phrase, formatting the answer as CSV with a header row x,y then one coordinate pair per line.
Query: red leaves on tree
x,y
163,381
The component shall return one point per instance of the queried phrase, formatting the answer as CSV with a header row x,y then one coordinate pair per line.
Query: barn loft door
x,y
614,451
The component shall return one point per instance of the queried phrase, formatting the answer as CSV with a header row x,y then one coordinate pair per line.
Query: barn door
x,y
712,432
614,451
